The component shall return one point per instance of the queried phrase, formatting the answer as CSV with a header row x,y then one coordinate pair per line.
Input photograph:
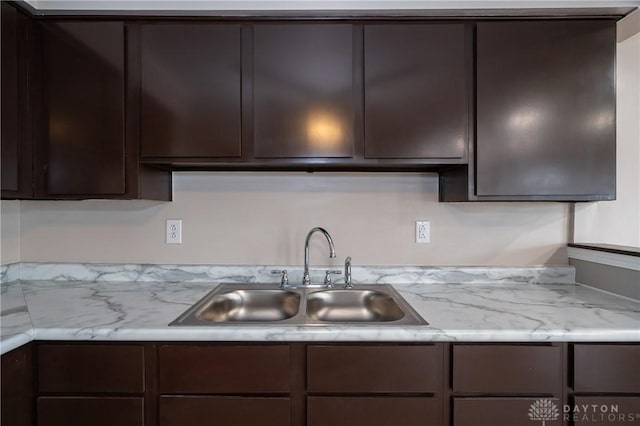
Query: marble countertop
x,y
15,322
469,311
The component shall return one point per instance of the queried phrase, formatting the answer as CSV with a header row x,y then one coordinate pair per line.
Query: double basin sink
x,y
255,304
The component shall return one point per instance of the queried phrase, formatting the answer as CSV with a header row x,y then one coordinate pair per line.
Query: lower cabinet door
x,y
507,369
606,368
507,411
94,411
223,411
605,410
374,411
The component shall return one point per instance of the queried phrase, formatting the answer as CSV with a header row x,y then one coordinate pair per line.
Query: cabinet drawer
x,y
224,369
507,369
504,412
373,411
605,411
83,411
223,411
373,369
91,368
606,368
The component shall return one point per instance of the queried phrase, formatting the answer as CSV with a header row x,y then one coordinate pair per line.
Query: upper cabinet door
x,y
16,152
546,109
416,90
190,90
9,128
303,95
84,108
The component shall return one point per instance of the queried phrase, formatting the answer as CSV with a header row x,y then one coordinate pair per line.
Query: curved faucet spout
x,y
332,251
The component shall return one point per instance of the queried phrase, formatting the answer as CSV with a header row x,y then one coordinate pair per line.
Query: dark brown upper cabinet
x,y
545,127
190,90
416,86
85,151
84,108
16,143
303,91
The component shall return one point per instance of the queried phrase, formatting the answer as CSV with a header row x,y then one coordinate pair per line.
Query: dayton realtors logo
x,y
546,410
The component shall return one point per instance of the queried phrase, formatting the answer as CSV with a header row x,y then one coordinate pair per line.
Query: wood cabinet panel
x,y
373,411
546,109
91,368
15,140
224,369
416,100
16,392
374,369
500,412
190,90
507,369
606,368
84,147
9,128
94,411
223,411
303,96
605,410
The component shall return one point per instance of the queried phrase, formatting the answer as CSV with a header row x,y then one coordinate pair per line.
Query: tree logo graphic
x,y
543,410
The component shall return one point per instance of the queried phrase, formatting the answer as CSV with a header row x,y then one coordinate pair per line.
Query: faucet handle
x,y
284,280
327,277
347,273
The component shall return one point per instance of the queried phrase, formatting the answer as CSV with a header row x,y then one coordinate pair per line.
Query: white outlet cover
x,y
423,232
174,231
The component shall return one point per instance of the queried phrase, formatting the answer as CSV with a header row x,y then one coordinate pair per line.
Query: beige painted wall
x,y
263,218
618,222
9,232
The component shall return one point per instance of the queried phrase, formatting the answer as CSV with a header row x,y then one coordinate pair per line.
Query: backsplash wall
x,y
9,231
263,218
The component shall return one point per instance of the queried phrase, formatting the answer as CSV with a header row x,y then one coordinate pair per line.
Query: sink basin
x,y
250,305
353,306
243,305
267,304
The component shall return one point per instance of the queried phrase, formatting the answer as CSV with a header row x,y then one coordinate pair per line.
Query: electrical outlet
x,y
174,231
423,232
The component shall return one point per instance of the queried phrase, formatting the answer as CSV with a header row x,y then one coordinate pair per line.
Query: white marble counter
x,y
472,311
15,324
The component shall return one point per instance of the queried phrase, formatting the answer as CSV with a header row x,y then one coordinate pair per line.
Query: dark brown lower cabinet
x,y
91,368
606,368
223,411
374,385
83,384
16,371
94,411
220,369
298,384
507,369
374,369
373,411
606,384
506,384
506,411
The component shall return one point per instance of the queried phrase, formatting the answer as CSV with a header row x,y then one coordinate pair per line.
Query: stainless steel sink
x,y
266,304
353,306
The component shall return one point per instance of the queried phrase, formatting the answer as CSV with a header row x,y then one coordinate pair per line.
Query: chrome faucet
x,y
306,280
